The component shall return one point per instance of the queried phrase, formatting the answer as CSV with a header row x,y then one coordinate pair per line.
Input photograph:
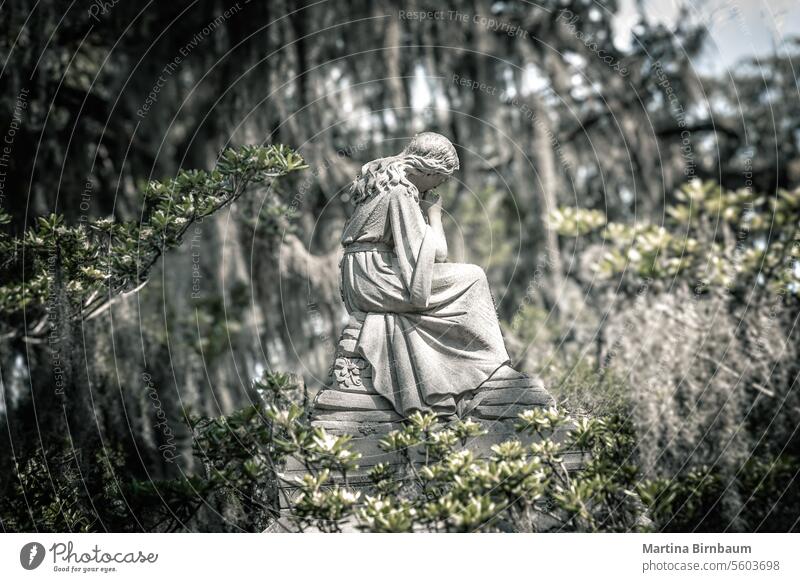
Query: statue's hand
x,y
431,204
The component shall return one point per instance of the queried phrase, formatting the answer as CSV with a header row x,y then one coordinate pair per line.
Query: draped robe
x,y
428,329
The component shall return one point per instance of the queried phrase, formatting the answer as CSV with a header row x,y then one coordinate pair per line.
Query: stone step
x,y
356,415
498,432
294,470
364,388
501,431
360,481
371,454
494,383
507,373
339,427
515,396
333,399
500,411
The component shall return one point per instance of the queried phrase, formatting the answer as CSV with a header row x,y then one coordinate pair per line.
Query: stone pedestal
x,y
350,405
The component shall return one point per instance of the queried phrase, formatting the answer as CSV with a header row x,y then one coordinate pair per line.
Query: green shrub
x,y
439,487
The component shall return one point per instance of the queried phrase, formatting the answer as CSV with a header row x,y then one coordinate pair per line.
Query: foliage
x,y
735,240
696,317
518,487
522,487
582,387
481,222
238,455
88,264
443,487
530,483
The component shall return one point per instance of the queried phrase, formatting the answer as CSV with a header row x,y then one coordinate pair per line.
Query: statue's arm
x,y
416,244
432,205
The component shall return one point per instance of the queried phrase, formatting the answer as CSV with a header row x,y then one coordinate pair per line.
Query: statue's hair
x,y
428,152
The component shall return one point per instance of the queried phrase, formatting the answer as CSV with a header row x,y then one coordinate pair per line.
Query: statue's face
x,y
425,182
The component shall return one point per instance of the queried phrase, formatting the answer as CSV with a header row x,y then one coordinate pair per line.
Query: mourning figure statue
x,y
423,333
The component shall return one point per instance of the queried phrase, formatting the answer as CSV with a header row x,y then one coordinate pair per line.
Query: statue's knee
x,y
477,274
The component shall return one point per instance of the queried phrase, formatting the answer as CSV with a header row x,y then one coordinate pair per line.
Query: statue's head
x,y
426,162
430,159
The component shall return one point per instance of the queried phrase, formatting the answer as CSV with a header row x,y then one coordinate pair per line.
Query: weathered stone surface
x,y
370,457
335,400
499,431
357,415
500,411
357,428
508,373
364,387
521,382
519,396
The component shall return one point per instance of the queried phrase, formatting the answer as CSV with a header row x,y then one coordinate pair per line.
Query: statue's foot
x,y
504,395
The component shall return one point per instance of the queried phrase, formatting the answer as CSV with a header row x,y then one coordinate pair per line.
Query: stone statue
x,y
423,333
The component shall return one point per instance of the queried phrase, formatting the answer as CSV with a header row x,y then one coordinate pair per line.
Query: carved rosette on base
x,y
349,403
